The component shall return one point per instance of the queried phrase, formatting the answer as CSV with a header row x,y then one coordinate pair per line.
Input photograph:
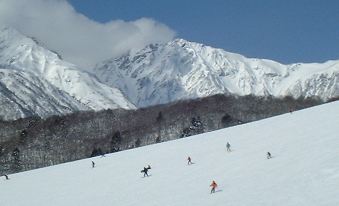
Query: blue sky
x,y
283,30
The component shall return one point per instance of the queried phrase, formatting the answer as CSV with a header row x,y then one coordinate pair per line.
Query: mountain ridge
x,y
195,70
156,74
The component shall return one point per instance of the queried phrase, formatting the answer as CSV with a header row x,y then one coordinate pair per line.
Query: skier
x,y
189,161
228,146
145,170
6,177
269,156
93,164
213,185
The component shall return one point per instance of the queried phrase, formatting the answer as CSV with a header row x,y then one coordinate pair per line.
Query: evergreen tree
x,y
96,152
16,165
138,142
196,127
116,142
159,121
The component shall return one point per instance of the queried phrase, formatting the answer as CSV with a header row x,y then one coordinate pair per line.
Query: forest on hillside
x,y
34,142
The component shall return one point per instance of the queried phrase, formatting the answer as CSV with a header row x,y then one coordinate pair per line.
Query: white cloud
x,y
77,38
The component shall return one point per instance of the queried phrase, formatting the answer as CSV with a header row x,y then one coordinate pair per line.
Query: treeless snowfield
x,y
304,170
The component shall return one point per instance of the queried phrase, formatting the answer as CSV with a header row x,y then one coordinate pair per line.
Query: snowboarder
x,y
6,177
189,160
228,146
213,185
269,156
93,164
145,170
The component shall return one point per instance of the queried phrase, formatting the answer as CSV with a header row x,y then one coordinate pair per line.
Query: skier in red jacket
x,y
213,185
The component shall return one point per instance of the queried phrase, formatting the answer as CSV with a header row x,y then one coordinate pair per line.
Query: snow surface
x,y
304,170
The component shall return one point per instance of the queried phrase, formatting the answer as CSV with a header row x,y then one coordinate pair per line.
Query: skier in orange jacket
x,y
213,185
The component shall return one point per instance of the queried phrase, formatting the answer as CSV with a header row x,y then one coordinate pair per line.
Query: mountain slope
x,y
181,69
20,53
23,94
303,171
157,74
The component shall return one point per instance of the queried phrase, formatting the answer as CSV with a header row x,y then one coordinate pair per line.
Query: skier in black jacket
x,y
228,147
145,170
269,156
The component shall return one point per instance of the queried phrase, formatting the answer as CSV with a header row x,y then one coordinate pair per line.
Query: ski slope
x,y
304,170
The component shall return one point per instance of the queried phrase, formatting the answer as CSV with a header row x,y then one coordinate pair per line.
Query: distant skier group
x,y
228,148
213,185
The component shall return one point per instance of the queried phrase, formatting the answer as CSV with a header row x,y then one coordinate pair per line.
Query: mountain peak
x,y
181,42
13,36
181,69
25,60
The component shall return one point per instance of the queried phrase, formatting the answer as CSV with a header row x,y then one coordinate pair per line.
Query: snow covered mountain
x,y
36,81
39,82
181,69
23,94
304,170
